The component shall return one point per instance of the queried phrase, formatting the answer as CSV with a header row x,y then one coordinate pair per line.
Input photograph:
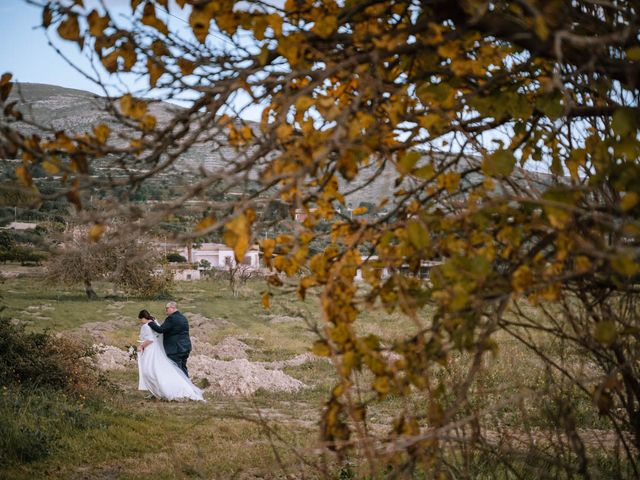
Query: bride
x,y
158,374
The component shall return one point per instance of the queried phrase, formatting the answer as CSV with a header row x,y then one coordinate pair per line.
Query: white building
x,y
219,255
186,274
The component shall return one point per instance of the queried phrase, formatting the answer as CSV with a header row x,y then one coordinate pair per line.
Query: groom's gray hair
x,y
171,305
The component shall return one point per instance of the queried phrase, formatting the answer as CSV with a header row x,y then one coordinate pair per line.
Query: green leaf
x,y
408,161
550,105
623,122
605,332
633,53
418,234
321,349
501,163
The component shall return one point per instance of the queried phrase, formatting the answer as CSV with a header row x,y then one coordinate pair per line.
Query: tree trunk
x,y
91,294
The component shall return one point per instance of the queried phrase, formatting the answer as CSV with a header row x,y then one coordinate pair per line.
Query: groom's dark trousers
x,y
176,341
180,359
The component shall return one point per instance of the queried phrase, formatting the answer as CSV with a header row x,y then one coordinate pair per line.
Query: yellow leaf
x,y
227,22
96,231
155,70
275,22
101,132
321,348
263,56
522,278
50,167
246,133
382,385
237,233
291,47
629,201
205,223
418,234
360,210
132,107
540,27
265,300
284,132
148,123
325,26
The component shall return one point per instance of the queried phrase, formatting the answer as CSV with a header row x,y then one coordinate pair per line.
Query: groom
x,y
175,329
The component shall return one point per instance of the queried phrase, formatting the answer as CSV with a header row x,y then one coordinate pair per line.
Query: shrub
x,y
44,384
175,258
40,360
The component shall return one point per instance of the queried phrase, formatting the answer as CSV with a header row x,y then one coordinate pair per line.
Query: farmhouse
x,y
219,255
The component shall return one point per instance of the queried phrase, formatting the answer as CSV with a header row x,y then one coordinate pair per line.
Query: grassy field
x,y
268,435
265,436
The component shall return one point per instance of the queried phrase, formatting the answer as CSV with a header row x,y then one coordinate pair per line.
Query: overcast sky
x,y
26,53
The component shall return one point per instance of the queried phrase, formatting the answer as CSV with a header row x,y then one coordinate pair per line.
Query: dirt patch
x,y
201,325
99,331
108,357
293,362
240,377
230,349
285,319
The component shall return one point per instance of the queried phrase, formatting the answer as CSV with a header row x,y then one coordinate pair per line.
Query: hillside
x,y
79,111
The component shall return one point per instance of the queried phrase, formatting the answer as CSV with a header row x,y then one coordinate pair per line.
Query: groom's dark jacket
x,y
176,333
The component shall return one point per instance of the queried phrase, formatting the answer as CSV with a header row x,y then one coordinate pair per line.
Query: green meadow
x,y
115,432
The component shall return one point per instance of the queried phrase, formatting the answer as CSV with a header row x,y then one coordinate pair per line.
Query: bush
x,y
175,258
40,360
45,382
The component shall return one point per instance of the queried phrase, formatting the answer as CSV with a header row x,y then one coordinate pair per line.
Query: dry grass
x,y
131,437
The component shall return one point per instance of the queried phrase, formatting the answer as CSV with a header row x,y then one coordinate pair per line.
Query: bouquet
x,y
133,352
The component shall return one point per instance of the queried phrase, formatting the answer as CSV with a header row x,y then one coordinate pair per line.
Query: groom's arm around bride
x,y
176,341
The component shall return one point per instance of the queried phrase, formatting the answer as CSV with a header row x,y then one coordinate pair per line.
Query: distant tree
x,y
175,258
237,275
204,264
132,265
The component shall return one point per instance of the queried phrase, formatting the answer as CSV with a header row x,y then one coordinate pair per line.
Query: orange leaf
x,y
102,133
155,71
24,176
97,24
96,231
70,29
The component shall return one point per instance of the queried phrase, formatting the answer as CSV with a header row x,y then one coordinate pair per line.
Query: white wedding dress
x,y
159,375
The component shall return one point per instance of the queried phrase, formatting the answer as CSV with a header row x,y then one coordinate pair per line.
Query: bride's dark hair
x,y
145,314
